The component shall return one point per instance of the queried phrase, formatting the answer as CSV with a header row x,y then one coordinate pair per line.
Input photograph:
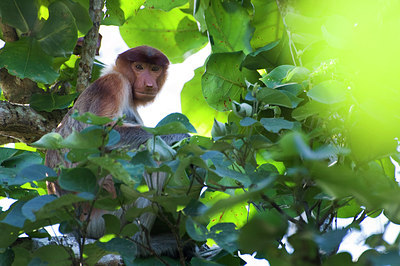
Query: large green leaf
x,y
267,23
174,33
273,96
81,15
20,14
328,92
78,180
195,106
114,14
50,102
224,81
265,57
26,59
165,5
229,28
59,33
35,204
276,124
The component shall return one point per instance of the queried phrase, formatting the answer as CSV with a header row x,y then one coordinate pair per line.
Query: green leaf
x,y
22,160
330,241
174,33
35,204
89,118
81,15
61,204
165,5
276,76
172,124
229,28
129,230
297,74
261,232
14,216
7,257
195,106
114,14
338,31
50,102
112,224
49,141
262,57
20,14
225,235
309,109
328,92
160,147
6,153
350,210
218,130
130,7
78,180
52,255
196,231
26,59
195,208
276,124
32,173
267,23
222,167
274,96
224,81
115,168
342,258
58,35
127,249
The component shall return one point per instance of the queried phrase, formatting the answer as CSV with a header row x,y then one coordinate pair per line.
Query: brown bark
x,y
89,46
20,123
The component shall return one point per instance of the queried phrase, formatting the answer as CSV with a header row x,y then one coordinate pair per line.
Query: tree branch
x,y
89,46
20,123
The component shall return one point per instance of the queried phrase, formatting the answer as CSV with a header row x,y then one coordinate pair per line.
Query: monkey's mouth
x,y
140,93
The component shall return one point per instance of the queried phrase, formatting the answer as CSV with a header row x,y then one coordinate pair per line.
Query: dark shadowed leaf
x,y
20,14
35,204
78,180
59,34
50,102
26,59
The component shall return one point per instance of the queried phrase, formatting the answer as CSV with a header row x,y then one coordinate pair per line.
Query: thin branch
x,y
276,206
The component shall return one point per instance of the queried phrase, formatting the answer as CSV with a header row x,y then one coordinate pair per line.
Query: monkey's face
x,y
146,80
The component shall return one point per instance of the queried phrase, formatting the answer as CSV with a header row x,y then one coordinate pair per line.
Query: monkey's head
x,y
145,67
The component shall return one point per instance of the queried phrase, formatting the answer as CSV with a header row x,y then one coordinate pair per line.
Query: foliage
x,y
307,96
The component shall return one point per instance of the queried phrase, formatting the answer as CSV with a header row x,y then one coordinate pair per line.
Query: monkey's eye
x,y
139,67
155,68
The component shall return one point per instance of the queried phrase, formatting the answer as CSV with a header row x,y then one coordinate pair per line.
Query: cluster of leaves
x,y
305,137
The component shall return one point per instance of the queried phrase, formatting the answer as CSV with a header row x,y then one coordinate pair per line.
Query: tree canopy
x,y
306,132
